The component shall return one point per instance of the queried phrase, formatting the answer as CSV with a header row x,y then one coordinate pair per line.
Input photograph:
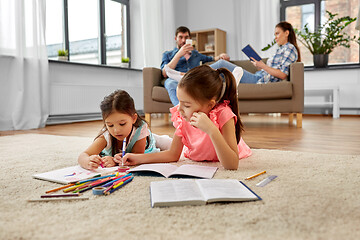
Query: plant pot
x,y
321,60
124,65
62,58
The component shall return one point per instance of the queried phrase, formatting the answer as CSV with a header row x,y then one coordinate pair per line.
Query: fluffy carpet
x,y
316,196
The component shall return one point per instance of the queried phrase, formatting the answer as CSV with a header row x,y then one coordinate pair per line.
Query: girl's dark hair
x,y
203,83
285,26
118,101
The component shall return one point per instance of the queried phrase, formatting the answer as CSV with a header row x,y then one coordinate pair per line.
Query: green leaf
x,y
328,35
269,46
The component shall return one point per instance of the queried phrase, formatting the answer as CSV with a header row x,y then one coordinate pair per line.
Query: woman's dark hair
x,y
285,26
118,101
203,83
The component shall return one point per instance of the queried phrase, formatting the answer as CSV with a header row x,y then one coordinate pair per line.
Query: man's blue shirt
x,y
185,65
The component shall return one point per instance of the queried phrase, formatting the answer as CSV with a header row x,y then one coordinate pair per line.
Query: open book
x,y
170,170
199,192
250,52
72,174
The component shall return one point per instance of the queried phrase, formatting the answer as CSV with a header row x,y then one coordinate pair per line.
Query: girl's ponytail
x,y
230,94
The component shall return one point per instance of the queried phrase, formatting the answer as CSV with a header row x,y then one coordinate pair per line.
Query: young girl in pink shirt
x,y
207,121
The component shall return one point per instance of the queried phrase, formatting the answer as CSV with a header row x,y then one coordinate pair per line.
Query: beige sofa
x,y
281,97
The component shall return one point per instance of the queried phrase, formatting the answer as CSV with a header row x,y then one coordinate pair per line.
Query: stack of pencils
x,y
108,184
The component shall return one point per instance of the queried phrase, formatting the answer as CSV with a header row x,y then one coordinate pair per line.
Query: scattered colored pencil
x,y
92,186
72,188
60,195
59,188
258,174
120,185
96,178
116,179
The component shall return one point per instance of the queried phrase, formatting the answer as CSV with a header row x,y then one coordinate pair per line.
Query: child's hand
x,y
94,162
118,159
131,159
108,161
201,121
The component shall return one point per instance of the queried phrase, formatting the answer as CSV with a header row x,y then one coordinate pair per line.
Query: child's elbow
x,y
233,166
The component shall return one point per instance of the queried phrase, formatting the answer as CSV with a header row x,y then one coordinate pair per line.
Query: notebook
x,y
72,174
250,52
171,170
199,192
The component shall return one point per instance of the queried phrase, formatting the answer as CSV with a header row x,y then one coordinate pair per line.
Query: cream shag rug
x,y
316,196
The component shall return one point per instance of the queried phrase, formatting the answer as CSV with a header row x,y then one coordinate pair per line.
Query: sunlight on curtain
x,y
255,23
157,23
24,101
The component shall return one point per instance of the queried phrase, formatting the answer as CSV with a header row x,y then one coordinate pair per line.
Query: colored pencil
x,y
115,179
60,195
57,199
114,184
72,188
59,188
92,186
121,180
120,185
96,178
258,174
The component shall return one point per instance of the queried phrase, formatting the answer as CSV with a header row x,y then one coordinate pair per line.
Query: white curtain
x,y
24,83
157,28
255,24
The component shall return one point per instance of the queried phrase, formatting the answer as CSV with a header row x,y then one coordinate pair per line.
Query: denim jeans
x,y
171,84
250,77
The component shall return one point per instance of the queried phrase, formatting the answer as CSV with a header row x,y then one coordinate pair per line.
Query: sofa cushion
x,y
160,94
276,90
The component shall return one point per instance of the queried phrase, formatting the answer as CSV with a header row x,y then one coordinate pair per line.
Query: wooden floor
x,y
321,134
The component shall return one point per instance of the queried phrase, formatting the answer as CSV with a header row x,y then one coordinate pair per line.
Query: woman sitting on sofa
x,y
277,67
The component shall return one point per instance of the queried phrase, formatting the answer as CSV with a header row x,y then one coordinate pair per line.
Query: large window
x,y
92,31
313,13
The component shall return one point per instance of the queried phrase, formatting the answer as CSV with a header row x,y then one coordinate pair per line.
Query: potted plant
x,y
125,62
328,35
63,55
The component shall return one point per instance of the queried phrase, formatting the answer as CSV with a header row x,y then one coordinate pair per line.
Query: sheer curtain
x,y
24,89
255,24
157,28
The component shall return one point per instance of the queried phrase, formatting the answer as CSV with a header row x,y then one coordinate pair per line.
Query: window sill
x,y
333,67
93,65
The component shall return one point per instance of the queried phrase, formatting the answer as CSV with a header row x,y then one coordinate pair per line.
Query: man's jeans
x,y
171,84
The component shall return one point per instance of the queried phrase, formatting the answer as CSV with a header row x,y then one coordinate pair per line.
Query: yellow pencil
x,y
255,175
72,188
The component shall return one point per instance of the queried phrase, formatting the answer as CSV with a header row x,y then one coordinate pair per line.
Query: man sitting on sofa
x,y
182,58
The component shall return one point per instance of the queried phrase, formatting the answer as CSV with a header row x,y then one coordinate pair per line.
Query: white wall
x,y
79,89
206,14
348,81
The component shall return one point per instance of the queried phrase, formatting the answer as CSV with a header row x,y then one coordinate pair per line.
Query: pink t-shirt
x,y
198,145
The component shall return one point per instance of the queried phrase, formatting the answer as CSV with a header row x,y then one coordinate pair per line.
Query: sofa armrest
x,y
151,77
296,77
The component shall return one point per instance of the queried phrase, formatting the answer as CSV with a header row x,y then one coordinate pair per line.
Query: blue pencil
x,y
109,183
126,182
